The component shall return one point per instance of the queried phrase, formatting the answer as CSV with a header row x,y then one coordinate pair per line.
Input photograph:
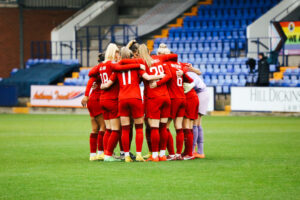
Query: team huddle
x,y
172,91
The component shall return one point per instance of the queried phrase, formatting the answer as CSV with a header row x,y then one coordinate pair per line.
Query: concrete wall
x,y
37,26
260,27
66,30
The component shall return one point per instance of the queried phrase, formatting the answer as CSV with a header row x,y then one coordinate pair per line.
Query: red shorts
x,y
93,105
110,108
177,108
131,107
191,108
158,107
145,107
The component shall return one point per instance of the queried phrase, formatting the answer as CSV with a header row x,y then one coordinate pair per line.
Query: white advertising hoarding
x,y
70,96
277,99
56,96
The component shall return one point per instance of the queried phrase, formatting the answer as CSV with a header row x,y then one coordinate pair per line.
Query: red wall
x,y
37,26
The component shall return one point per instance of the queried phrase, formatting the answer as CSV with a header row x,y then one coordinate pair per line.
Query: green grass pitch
x,y
46,157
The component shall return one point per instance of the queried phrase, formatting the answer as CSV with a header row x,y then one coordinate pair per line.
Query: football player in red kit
x,y
130,102
91,100
158,100
109,102
191,114
178,101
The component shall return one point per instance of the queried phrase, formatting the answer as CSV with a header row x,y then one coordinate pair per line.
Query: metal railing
x,y
98,37
56,50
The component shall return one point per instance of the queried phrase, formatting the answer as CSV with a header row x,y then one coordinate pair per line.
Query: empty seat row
x,y
290,71
232,12
208,35
285,83
218,24
243,3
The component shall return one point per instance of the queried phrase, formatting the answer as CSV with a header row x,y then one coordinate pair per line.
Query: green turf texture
x,y
46,157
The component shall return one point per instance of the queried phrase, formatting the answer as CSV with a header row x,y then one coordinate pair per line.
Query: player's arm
x,y
168,57
188,86
187,78
189,67
148,77
119,67
131,61
167,76
110,82
89,85
94,71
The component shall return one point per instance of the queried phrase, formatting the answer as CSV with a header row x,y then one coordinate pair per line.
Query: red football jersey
x,y
175,85
106,73
157,68
129,84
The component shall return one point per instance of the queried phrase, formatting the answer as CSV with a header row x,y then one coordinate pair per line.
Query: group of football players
x,y
171,91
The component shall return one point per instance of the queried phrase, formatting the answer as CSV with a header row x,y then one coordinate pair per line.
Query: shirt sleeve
x,y
167,77
131,61
141,72
113,77
89,86
187,78
94,71
118,67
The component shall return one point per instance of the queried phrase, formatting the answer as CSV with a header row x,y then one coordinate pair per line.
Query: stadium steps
x,y
179,23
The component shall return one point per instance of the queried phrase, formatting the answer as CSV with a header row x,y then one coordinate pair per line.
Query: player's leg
x,y
100,122
93,139
115,130
139,138
170,143
148,138
200,139
154,124
125,122
165,114
163,138
186,124
195,132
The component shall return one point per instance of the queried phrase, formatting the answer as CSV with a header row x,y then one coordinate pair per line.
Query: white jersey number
x,y
159,70
179,81
124,77
104,77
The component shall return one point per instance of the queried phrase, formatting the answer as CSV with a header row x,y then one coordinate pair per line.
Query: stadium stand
x,y
39,72
213,38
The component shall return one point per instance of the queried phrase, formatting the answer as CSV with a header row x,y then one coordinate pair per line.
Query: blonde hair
x,y
163,49
125,53
110,53
144,54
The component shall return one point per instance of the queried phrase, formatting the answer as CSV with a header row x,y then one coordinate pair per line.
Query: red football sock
x,y
155,139
179,141
190,142
130,135
163,136
139,137
186,144
100,140
148,137
93,142
170,144
120,141
105,139
112,142
125,138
